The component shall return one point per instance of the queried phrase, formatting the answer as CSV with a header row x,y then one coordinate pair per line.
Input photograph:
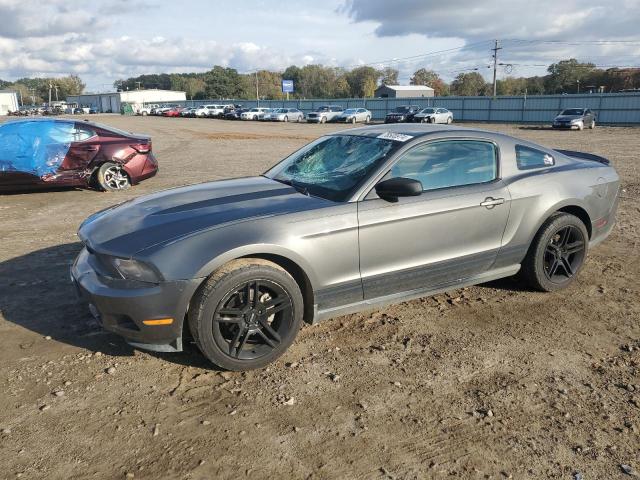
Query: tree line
x,y
319,81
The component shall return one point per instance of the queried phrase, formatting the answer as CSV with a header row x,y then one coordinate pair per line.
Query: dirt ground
x,y
492,382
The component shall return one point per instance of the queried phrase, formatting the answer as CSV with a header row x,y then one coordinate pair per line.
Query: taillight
x,y
142,147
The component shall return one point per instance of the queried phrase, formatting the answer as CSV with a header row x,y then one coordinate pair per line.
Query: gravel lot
x,y
487,382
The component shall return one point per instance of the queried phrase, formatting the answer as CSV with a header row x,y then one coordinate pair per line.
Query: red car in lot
x,y
173,112
60,152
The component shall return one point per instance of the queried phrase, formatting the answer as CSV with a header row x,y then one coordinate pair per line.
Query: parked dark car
x,y
356,219
48,152
578,118
235,114
403,113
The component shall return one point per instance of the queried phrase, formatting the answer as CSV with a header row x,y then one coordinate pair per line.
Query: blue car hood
x,y
161,217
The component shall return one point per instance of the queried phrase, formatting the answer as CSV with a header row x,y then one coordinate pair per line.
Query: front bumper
x,y
122,306
394,119
568,126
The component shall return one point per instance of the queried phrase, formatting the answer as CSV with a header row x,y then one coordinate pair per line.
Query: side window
x,y
449,163
528,158
81,133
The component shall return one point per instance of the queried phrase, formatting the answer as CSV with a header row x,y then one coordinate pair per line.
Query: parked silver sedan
x,y
354,220
355,115
433,115
285,115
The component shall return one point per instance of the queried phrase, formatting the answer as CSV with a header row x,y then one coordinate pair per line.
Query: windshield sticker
x,y
400,137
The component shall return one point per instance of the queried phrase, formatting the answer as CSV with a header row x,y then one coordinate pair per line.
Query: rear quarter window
x,y
529,158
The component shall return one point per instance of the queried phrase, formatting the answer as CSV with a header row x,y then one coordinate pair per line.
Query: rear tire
x,y
353,120
449,120
367,120
111,177
232,324
286,119
556,254
592,125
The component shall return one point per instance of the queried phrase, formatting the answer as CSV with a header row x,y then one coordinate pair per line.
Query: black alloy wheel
x,y
246,314
564,254
557,253
252,319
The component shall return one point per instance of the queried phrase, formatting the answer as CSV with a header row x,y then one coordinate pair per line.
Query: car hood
x,y
568,117
151,220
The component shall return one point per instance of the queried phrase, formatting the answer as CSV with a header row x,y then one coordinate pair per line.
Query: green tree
x,y
511,86
564,76
469,84
431,79
362,81
389,76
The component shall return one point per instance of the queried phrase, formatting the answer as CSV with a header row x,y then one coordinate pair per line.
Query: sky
x,y
104,40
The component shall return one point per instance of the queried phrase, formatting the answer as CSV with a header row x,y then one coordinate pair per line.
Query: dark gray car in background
x,y
578,118
354,220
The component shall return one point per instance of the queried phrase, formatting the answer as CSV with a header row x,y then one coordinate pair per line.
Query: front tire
x,y
592,125
353,120
556,254
246,314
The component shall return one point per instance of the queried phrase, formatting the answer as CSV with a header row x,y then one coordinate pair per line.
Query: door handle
x,y
491,202
90,148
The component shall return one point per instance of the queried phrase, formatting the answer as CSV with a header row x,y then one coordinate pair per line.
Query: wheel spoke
x,y
553,267
564,236
567,266
256,293
243,340
268,341
270,330
574,247
277,304
235,340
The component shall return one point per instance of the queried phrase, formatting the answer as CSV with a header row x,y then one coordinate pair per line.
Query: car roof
x,y
414,130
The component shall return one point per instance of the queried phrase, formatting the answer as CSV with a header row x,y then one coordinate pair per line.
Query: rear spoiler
x,y
584,156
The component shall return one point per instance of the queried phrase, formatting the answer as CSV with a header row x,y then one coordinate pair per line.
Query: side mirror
x,y
393,188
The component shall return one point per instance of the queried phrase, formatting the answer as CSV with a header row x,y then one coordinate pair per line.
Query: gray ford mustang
x,y
356,219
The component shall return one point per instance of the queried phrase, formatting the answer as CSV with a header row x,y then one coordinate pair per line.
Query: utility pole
x,y
50,87
495,64
56,87
257,92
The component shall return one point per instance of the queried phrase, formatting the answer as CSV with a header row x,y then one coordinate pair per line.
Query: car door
x,y
450,232
85,145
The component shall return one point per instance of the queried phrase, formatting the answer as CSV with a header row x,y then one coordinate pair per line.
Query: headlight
x,y
576,120
130,269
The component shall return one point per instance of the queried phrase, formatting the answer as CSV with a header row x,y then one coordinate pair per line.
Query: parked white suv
x,y
325,113
218,110
203,110
254,113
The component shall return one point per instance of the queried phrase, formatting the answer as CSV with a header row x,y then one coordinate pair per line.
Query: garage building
x,y
8,101
112,102
404,91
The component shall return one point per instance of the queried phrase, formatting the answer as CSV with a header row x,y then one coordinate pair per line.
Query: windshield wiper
x,y
292,183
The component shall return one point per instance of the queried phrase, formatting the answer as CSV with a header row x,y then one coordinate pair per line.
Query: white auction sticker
x,y
400,137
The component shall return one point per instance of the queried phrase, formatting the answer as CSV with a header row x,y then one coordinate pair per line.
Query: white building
x,y
404,91
112,102
8,101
